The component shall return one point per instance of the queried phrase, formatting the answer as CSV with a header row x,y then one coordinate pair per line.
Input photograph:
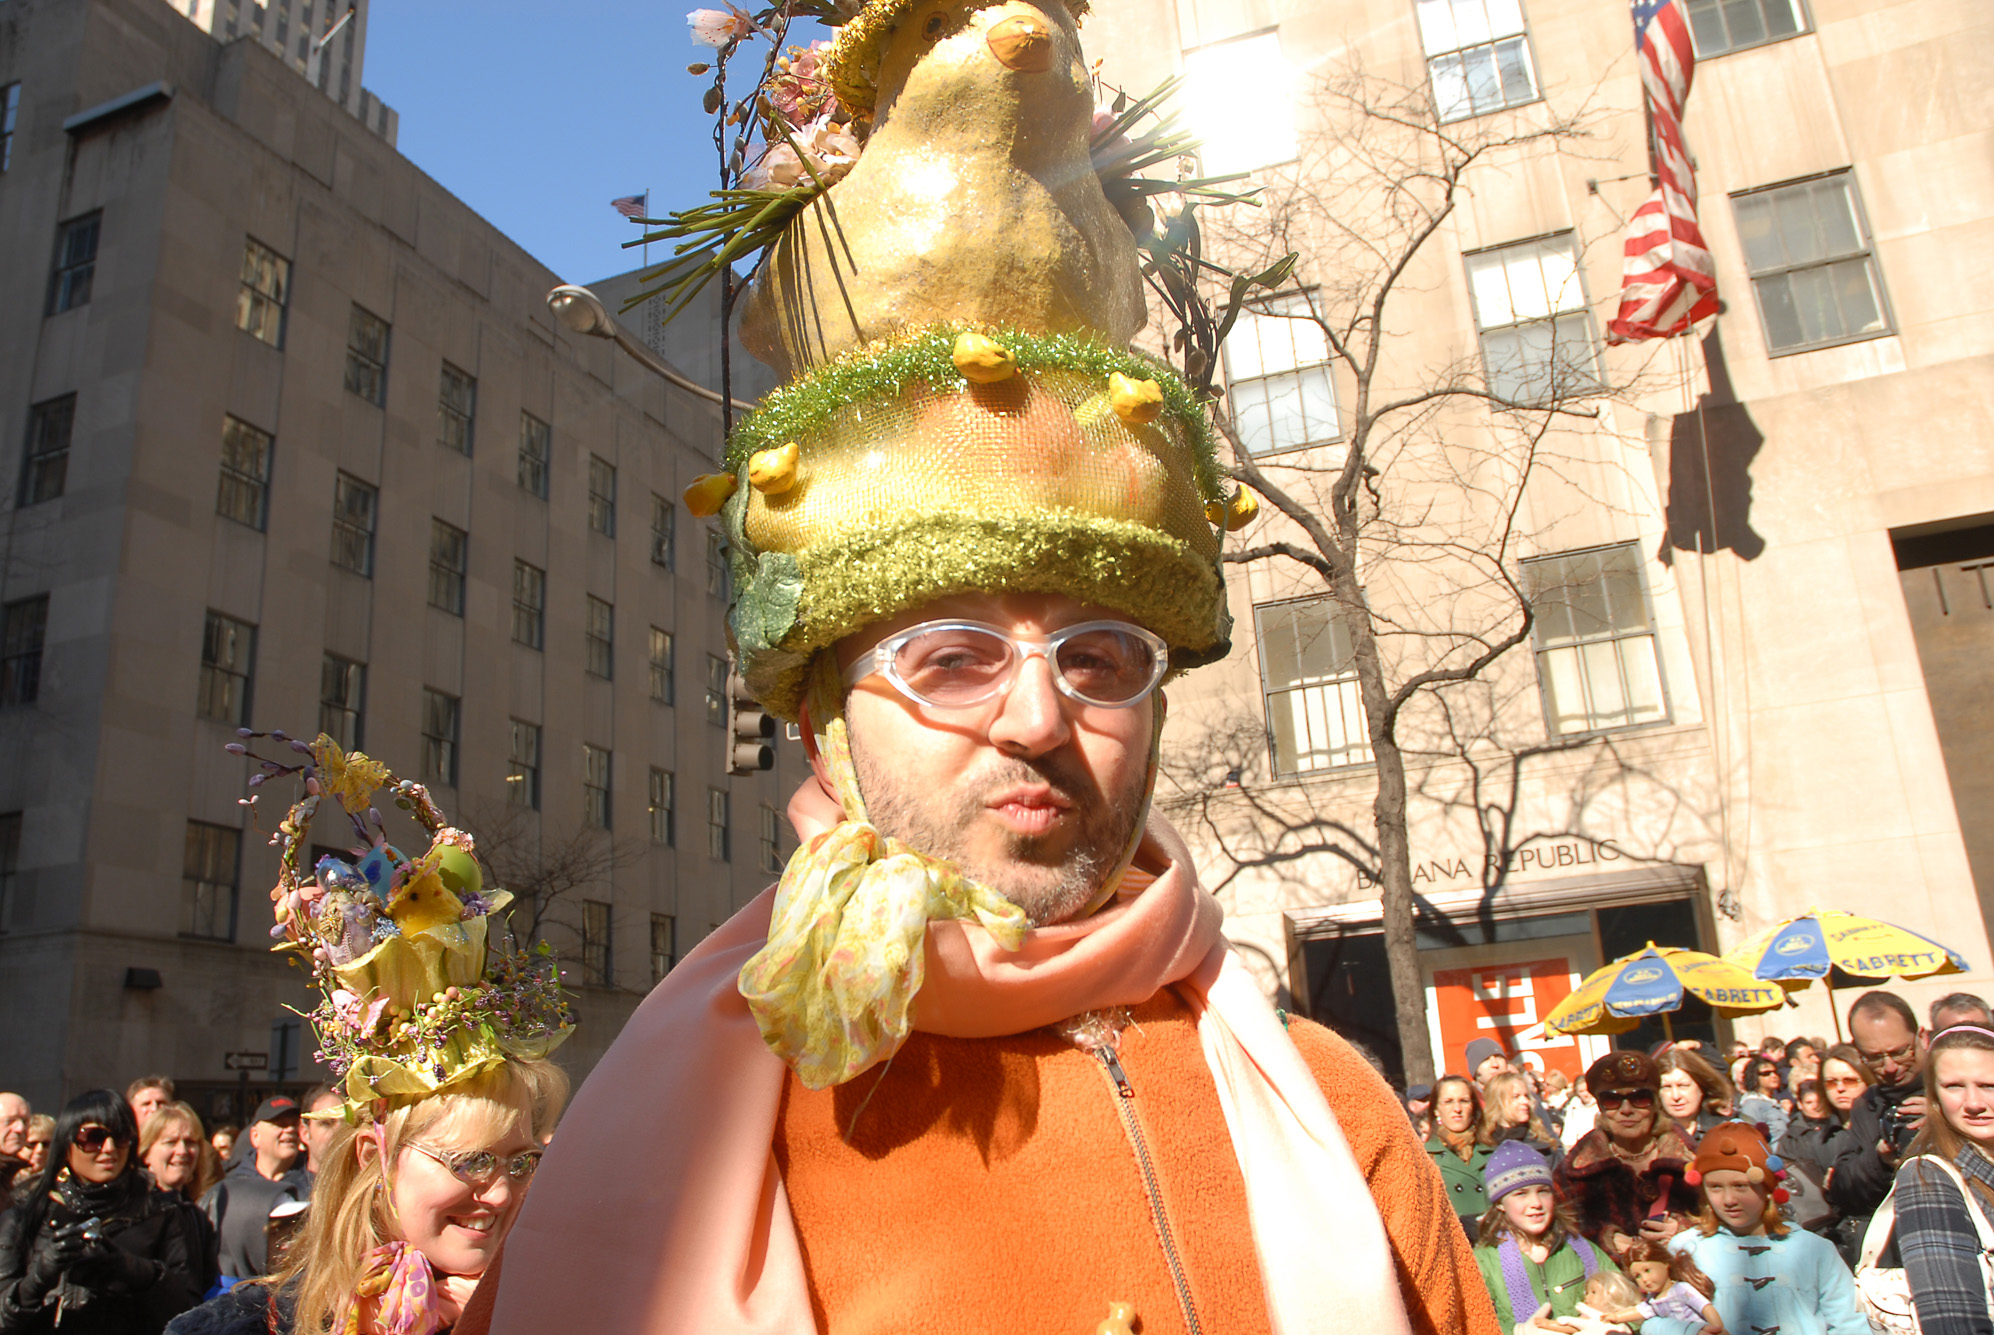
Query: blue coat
x,y
1802,1287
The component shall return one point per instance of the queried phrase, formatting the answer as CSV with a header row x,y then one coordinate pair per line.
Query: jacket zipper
x,y
1125,1105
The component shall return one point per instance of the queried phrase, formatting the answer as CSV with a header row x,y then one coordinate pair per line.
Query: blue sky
x,y
538,115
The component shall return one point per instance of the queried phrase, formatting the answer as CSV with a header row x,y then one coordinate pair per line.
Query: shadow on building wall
x,y
1710,478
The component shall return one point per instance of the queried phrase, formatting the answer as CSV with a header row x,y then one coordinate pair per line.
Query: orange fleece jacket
x,y
990,1185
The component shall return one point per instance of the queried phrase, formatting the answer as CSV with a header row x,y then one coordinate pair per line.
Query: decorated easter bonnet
x,y
1514,1164
963,411
1741,1148
415,1000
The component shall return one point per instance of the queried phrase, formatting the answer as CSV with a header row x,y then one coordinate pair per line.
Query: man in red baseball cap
x,y
265,1174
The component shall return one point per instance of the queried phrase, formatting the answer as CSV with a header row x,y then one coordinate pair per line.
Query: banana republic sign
x,y
1570,855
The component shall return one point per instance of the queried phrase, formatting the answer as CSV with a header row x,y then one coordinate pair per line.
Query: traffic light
x,y
750,730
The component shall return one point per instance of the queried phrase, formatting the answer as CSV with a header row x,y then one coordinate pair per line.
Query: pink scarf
x,y
398,1278
659,1208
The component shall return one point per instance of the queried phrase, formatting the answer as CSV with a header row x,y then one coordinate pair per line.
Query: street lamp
x,y
582,312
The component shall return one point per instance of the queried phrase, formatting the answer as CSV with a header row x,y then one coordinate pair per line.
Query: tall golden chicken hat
x,y
963,411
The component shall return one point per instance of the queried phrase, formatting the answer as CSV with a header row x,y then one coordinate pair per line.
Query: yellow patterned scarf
x,y
833,988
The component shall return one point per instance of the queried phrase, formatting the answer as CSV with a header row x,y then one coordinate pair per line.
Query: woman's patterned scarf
x,y
398,1277
1523,1302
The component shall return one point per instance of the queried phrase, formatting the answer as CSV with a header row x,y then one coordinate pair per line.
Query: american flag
x,y
632,206
1667,279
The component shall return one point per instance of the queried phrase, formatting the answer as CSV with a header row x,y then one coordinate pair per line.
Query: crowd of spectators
x,y
125,1211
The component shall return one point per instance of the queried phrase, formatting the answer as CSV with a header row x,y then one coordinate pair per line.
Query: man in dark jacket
x,y
270,1171
1885,1032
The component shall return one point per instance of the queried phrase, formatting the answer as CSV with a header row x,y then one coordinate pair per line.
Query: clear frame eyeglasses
x,y
960,664
480,1168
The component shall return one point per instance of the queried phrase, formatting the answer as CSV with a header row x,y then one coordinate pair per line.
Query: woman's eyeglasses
x,y
480,1168
93,1139
957,664
1610,1100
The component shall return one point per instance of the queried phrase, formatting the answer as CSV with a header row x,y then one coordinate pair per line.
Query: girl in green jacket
x,y
1529,1250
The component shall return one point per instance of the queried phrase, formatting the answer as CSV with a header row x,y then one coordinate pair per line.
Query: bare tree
x,y
1410,523
548,874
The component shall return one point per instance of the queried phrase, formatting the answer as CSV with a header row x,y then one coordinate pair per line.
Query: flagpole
x,y
647,230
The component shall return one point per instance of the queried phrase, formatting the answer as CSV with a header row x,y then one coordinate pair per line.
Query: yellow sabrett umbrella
x,y
1654,981
1795,952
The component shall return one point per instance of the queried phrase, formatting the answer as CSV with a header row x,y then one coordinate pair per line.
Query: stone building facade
x,y
1759,673
295,442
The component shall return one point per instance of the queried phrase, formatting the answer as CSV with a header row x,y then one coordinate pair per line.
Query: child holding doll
x,y
1532,1258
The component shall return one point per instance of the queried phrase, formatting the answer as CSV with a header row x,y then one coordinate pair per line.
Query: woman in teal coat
x,y
1458,1148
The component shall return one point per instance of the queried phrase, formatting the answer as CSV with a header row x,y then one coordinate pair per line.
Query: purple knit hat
x,y
1514,1164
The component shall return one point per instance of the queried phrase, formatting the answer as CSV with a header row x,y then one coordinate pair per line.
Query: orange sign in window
x,y
1505,1002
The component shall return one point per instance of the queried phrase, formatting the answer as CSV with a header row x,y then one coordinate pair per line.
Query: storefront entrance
x,y
1494,968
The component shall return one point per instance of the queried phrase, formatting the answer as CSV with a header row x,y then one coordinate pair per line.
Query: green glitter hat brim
x,y
880,571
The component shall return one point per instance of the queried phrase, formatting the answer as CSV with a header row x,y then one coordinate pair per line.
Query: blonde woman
x,y
446,1098
1507,1114
1944,1202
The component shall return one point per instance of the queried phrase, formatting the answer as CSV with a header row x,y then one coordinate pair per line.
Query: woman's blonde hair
x,y
207,1164
1497,1094
349,1215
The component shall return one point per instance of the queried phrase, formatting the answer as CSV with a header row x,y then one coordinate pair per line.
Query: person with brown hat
x,y
1626,1175
1768,1274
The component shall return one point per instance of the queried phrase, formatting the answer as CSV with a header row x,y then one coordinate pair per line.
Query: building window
x,y
342,692
441,721
367,356
208,881
22,626
716,690
45,466
716,565
1278,378
602,497
1811,266
354,504
456,406
10,865
10,108
1595,643
596,922
1239,97
1476,55
522,770
661,665
771,843
75,263
1718,26
664,805
244,491
529,605
1531,310
228,650
535,445
664,522
599,643
449,559
595,786
716,824
266,288
1315,713
664,944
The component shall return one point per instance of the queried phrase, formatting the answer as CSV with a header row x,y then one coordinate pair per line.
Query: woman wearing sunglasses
x,y
1625,1176
446,1095
92,1247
